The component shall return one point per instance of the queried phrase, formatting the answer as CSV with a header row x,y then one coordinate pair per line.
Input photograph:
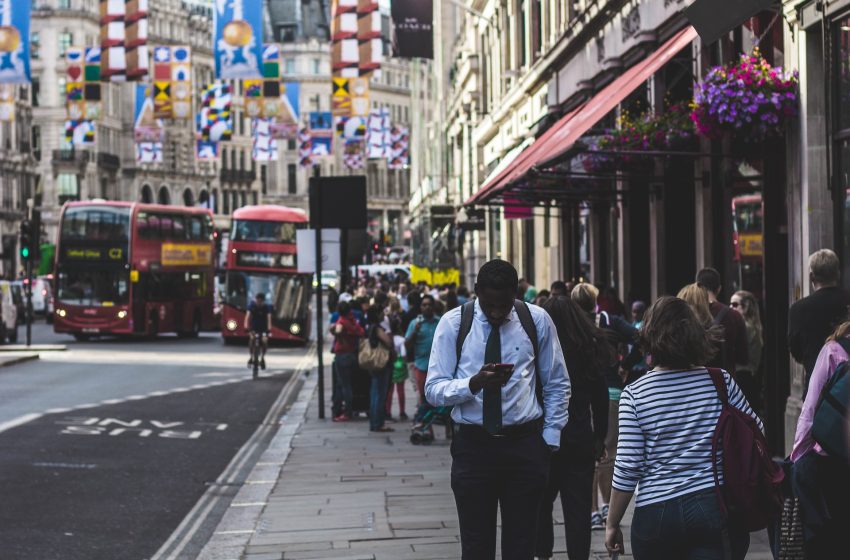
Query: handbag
x,y
372,358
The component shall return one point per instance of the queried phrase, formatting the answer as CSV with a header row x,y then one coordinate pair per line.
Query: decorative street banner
x,y
378,134
399,157
305,148
413,28
359,88
369,38
238,42
353,128
321,133
7,102
148,131
265,147
215,123
206,151
15,42
341,97
353,154
285,127
172,82
83,90
262,97
123,40
79,133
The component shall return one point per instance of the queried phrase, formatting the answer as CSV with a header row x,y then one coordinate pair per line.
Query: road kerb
x,y
17,359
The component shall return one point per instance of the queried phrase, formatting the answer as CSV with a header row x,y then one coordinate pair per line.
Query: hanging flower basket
x,y
671,130
750,99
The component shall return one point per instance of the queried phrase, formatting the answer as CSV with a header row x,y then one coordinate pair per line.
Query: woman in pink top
x,y
822,482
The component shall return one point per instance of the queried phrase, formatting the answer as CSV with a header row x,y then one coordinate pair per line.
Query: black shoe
x,y
262,363
402,416
250,362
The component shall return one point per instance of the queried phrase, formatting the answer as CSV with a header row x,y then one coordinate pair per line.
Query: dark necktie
x,y
493,395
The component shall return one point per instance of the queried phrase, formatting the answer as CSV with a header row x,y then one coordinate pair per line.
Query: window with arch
x,y
164,196
188,197
146,195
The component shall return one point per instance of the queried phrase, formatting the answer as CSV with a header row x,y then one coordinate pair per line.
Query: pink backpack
x,y
751,495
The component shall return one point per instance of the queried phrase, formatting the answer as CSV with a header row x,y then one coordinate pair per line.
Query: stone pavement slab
x,y
346,493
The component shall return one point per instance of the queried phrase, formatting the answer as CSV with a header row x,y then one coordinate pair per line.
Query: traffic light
x,y
26,240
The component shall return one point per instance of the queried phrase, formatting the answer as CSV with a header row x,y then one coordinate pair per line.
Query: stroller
x,y
423,426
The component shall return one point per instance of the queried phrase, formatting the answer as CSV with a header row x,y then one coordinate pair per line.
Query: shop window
x,y
68,188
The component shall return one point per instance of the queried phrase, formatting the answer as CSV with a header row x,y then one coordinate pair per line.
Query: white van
x,y
8,313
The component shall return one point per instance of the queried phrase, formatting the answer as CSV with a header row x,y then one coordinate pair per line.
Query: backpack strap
x,y
844,342
719,384
467,312
527,322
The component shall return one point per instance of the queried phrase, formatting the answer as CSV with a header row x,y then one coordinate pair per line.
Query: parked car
x,y
8,313
42,295
20,303
330,279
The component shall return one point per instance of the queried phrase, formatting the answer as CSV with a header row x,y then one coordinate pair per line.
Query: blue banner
x,y
238,41
14,42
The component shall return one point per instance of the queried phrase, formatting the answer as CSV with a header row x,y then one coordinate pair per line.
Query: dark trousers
x,y
823,486
505,473
690,527
343,369
571,476
378,397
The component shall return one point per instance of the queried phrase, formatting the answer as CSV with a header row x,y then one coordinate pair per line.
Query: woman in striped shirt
x,y
667,420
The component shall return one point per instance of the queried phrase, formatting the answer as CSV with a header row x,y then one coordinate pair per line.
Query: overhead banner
x,y
378,134
285,127
413,28
264,145
399,156
172,82
123,40
321,133
215,123
7,102
15,42
83,93
206,151
238,42
305,148
356,38
79,134
148,131
352,154
262,97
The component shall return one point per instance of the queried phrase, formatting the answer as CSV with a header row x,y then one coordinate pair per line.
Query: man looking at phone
x,y
485,366
418,341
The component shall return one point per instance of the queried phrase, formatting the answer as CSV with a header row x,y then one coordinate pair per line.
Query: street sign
x,y
306,247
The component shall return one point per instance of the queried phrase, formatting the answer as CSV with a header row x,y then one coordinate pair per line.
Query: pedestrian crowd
x,y
568,393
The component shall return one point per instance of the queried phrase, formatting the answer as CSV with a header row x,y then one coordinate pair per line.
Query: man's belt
x,y
509,432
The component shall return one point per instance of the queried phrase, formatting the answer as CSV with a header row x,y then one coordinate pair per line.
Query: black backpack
x,y
467,313
829,424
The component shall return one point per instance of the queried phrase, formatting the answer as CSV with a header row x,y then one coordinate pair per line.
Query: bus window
x,y
166,229
153,226
179,227
196,232
95,223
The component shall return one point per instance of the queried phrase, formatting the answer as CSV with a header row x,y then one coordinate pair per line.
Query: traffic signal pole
x,y
29,301
26,256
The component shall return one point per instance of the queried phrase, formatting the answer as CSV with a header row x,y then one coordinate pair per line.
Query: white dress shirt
x,y
445,387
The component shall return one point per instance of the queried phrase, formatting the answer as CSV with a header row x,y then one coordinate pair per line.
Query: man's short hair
x,y
260,295
430,297
497,275
559,285
825,267
709,279
585,295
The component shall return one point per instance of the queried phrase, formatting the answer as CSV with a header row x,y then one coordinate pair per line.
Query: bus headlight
x,y
61,312
295,328
122,314
231,325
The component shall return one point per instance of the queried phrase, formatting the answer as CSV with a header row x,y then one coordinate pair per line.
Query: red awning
x,y
571,127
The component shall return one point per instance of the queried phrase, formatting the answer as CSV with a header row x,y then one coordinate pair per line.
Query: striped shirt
x,y
667,420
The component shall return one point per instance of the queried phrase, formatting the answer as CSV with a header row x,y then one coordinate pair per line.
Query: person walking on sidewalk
x,y
813,318
347,333
735,345
381,377
822,480
667,421
418,342
399,375
587,353
499,363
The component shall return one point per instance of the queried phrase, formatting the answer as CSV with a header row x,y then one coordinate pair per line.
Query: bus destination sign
x,y
111,254
265,260
181,254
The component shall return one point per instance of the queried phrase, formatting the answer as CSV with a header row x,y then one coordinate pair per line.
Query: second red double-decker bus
x,y
262,258
128,268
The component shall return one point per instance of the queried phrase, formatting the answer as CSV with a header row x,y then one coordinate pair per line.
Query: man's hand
x,y
614,540
487,376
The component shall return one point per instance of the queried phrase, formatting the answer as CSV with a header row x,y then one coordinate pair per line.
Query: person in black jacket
x,y
587,354
812,319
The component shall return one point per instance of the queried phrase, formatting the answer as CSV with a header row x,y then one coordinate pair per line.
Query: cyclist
x,y
258,323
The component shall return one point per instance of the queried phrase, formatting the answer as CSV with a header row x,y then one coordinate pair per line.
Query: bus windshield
x,y
288,294
264,232
93,287
96,223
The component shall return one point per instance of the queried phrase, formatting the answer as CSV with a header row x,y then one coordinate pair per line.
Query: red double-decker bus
x,y
261,258
128,268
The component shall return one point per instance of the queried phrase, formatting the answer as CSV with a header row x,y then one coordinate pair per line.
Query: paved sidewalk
x,y
346,493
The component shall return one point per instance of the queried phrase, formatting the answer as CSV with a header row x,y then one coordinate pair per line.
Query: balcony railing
x,y
108,161
74,157
237,176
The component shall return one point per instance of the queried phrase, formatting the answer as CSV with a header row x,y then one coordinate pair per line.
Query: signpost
x,y
338,203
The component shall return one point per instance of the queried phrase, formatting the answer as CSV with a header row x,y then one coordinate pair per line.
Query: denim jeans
x,y
689,527
344,367
378,397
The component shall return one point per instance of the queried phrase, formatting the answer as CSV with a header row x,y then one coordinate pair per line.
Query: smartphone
x,y
505,369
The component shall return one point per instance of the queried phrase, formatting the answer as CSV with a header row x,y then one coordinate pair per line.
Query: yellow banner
x,y
175,254
436,277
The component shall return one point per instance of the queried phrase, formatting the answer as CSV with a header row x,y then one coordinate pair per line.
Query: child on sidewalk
x,y
399,374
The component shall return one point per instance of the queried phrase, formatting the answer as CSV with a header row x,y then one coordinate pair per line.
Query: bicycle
x,y
254,347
